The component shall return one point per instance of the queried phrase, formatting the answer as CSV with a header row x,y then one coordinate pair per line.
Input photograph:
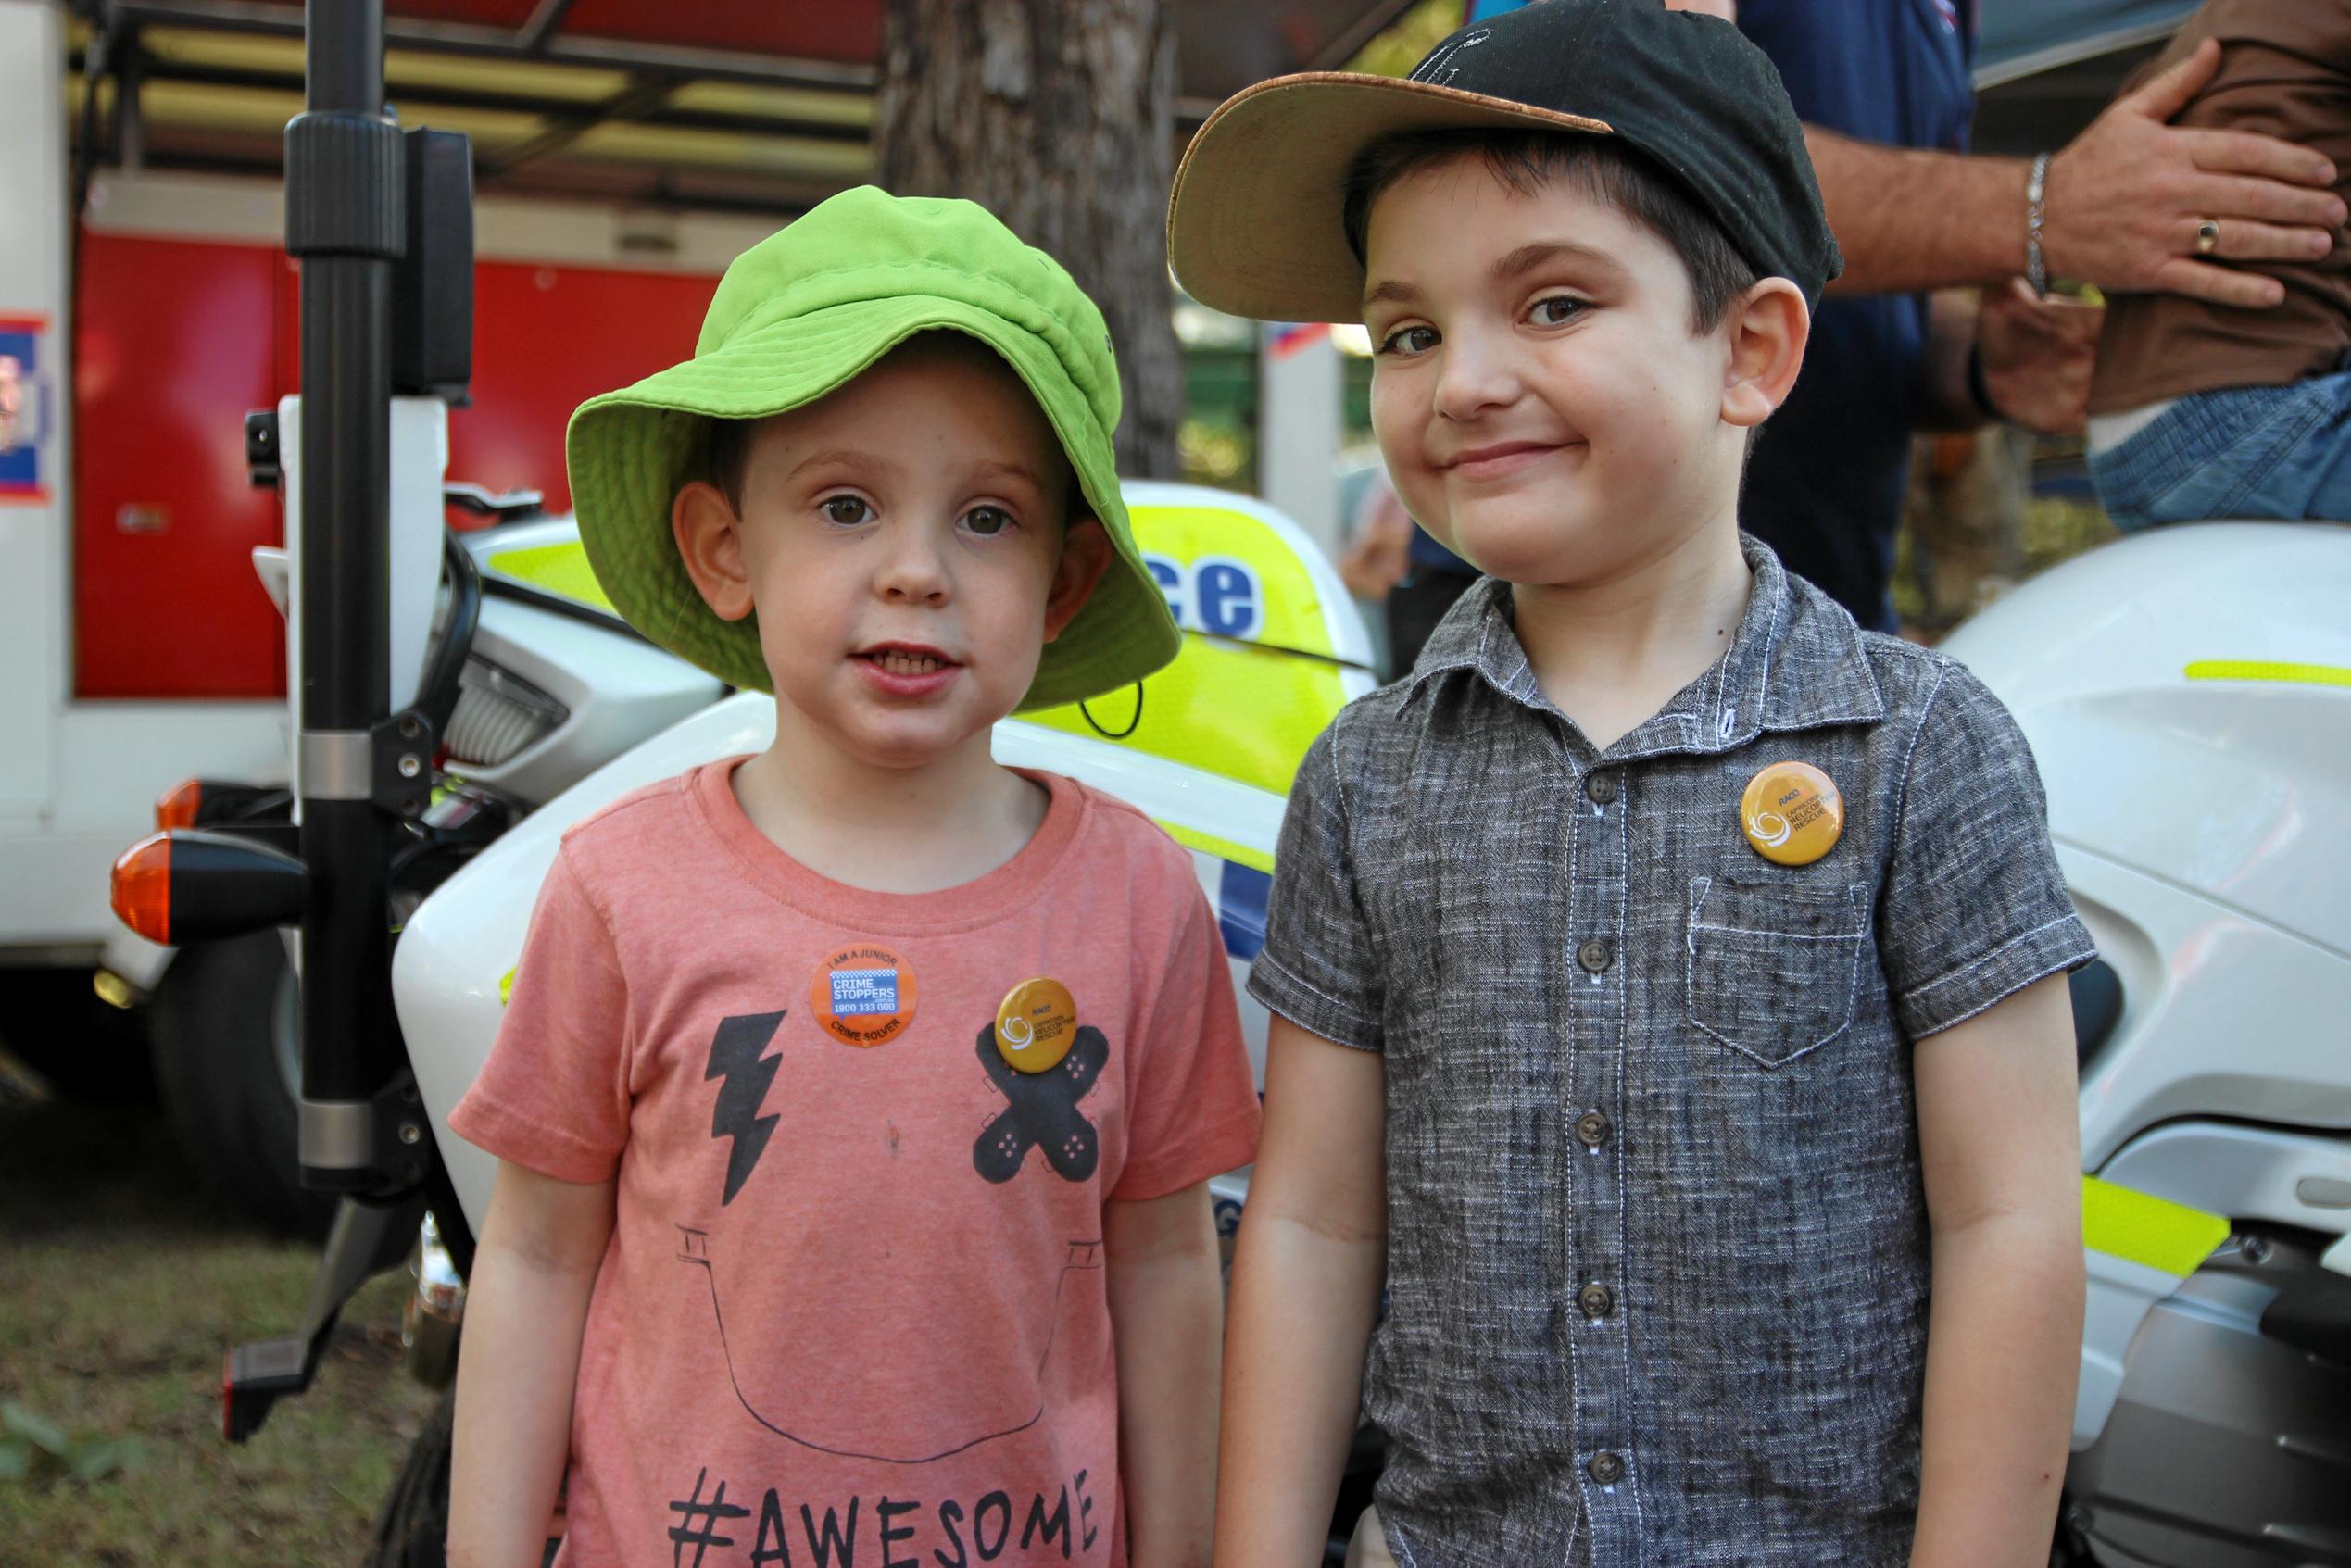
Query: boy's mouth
x,y
1501,457
906,658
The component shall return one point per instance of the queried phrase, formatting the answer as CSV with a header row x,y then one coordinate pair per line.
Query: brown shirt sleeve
x,y
2285,71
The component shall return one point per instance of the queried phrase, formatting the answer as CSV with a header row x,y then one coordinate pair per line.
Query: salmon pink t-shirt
x,y
853,1314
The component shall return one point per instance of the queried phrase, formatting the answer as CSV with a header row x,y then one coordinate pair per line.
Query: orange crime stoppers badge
x,y
1036,1026
864,996
1791,813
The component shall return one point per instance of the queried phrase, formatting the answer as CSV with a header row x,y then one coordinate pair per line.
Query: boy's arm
x,y
2000,1149
525,1310
1167,1315
1312,1256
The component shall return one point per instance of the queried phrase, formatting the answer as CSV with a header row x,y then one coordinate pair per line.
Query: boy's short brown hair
x,y
1527,161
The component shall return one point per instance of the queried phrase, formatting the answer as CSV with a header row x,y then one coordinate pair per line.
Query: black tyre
x,y
53,1021
412,1527
228,1044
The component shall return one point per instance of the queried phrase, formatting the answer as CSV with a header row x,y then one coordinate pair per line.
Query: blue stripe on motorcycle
x,y
1241,909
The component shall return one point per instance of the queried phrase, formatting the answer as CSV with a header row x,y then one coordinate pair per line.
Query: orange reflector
x,y
177,806
142,886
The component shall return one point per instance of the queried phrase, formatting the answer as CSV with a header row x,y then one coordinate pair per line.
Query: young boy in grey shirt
x,y
1666,972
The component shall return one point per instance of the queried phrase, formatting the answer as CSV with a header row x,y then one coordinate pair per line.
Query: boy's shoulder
x,y
1922,686
649,824
1819,667
1118,832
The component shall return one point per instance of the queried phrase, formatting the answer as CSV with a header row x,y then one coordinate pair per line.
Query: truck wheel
x,y
411,1529
82,1049
228,1052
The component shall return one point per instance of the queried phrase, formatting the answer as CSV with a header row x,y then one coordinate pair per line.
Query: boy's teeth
x,y
899,663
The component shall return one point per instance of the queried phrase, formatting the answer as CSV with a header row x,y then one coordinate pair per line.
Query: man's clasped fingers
x,y
2245,197
2221,285
2245,152
2243,239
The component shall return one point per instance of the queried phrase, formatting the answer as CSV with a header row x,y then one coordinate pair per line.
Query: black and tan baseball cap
x,y
1256,224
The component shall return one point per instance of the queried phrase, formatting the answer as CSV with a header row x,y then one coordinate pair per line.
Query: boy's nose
x,y
913,567
1473,377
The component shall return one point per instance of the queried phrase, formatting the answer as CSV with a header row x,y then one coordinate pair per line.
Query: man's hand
x,y
2038,355
1380,554
2125,196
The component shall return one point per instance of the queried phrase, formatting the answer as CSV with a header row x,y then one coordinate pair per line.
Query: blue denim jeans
x,y
2281,452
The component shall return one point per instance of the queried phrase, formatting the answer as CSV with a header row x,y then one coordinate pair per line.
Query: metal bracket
x,y
390,764
403,746
386,1134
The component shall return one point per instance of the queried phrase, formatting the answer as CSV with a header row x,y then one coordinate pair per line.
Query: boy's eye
x,y
1557,309
987,522
846,510
1405,342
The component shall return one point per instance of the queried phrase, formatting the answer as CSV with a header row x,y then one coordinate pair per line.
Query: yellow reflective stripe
x,y
1223,848
562,570
1232,709
2269,670
2141,1228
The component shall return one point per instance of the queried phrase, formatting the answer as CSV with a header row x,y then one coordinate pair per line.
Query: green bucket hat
x,y
807,310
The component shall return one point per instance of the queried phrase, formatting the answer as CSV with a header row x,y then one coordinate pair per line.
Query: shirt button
x,y
1605,1468
1592,1127
1594,954
1597,1300
1601,787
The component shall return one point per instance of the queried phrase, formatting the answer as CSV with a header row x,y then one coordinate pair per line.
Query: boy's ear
x,y
1769,328
709,540
1085,555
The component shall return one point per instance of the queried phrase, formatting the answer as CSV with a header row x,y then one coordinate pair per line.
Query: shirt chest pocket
x,y
1774,970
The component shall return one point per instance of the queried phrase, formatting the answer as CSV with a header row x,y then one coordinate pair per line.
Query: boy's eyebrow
x,y
1527,257
840,454
1000,467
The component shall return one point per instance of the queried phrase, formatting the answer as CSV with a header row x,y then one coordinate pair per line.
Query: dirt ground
x,y
123,1281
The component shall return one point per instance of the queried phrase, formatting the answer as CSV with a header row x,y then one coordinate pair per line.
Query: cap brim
x,y
1256,224
630,451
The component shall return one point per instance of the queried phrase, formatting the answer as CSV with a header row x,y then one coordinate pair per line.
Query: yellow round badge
x,y
1035,1025
864,996
1791,813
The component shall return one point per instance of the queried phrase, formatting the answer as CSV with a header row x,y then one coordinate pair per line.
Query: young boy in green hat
x,y
856,1098
1666,971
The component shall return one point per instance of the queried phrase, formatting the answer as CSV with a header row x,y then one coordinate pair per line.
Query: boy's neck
x,y
922,829
1611,654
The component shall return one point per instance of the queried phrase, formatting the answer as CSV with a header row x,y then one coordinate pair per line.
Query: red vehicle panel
x,y
178,339
174,341
546,339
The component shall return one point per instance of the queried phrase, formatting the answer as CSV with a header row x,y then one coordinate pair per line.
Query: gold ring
x,y
2208,236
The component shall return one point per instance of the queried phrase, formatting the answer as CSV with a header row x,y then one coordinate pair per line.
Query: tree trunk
x,y
1058,116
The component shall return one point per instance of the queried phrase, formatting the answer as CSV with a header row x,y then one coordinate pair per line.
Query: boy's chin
x,y
904,741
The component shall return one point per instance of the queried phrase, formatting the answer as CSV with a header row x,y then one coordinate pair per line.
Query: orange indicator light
x,y
142,887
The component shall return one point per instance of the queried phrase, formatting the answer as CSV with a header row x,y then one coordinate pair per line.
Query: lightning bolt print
x,y
744,1075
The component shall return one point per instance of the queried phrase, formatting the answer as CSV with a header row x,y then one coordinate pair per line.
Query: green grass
x,y
122,1283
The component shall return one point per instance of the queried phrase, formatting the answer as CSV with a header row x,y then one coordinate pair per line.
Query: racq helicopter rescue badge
x,y
864,996
1791,813
1036,1026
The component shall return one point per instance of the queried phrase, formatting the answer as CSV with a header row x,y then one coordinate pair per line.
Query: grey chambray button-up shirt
x,y
1656,1243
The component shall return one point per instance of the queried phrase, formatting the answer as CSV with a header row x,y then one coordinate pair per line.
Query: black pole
x,y
344,223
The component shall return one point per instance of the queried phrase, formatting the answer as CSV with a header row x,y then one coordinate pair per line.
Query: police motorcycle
x,y
2187,694
460,702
